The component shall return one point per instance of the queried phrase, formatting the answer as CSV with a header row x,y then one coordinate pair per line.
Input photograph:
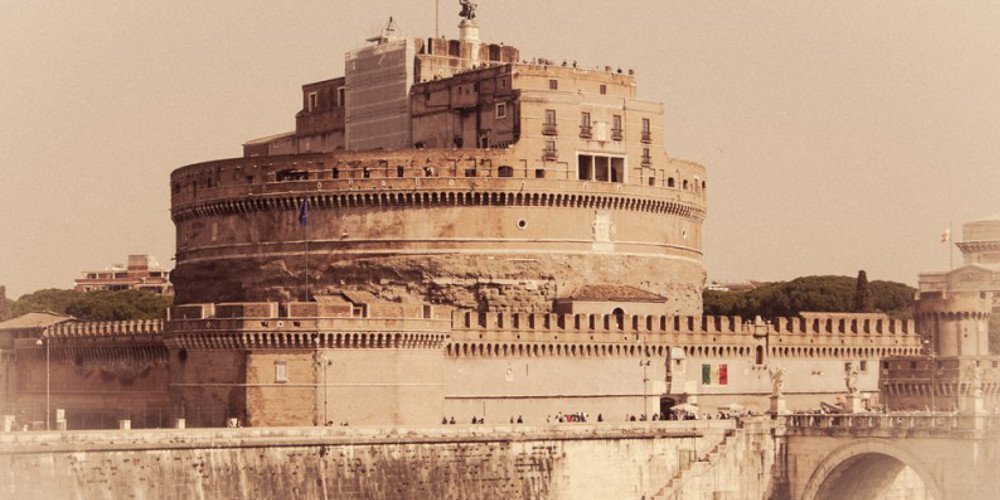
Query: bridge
x,y
859,456
792,457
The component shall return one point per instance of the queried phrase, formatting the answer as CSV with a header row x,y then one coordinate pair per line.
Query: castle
x,y
448,232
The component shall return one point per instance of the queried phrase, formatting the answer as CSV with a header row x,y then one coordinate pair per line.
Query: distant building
x,y
953,311
141,273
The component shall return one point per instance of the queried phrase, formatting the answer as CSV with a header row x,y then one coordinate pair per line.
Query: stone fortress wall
x,y
471,229
415,364
504,365
99,371
654,460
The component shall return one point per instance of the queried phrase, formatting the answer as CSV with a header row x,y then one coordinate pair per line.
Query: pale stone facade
x,y
141,273
957,370
513,241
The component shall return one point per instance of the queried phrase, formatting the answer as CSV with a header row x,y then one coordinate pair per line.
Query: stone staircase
x,y
674,488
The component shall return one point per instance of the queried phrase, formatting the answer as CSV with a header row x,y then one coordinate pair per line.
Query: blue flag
x,y
304,212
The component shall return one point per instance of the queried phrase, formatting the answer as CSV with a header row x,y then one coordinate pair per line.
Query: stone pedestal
x,y
469,36
853,404
468,31
124,424
180,423
778,405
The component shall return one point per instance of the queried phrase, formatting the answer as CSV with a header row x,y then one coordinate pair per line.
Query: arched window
x,y
505,171
759,359
685,184
619,315
670,182
400,171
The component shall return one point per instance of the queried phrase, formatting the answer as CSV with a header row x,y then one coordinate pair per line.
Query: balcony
x,y
647,160
586,132
550,154
549,129
617,134
647,137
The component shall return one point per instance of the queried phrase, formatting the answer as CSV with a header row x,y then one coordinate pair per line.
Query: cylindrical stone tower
x,y
956,323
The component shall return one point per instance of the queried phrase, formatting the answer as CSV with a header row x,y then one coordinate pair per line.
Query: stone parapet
x,y
587,334
105,328
164,439
308,333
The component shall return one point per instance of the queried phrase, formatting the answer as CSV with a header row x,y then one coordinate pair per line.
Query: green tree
x,y
809,293
863,300
102,305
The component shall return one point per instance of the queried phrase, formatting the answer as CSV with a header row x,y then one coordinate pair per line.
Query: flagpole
x,y
951,250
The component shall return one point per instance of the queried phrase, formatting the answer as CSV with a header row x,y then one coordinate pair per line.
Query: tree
x,y
863,300
102,305
5,304
809,293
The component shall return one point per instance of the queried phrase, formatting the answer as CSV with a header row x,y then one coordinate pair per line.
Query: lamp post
x,y
644,363
48,380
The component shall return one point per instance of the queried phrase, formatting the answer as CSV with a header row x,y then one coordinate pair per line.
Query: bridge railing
x,y
893,421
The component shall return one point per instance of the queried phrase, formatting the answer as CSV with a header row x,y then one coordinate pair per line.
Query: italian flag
x,y
714,374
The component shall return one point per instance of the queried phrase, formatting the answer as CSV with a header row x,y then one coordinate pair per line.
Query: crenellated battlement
x,y
814,324
70,329
843,324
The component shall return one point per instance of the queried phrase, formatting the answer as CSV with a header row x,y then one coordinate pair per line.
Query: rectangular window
x,y
616,128
549,127
341,94
501,110
646,158
617,169
313,101
280,372
550,153
585,130
585,168
553,84
645,124
863,365
602,169
647,136
604,89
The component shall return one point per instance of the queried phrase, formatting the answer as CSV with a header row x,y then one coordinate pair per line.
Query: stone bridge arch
x,y
863,468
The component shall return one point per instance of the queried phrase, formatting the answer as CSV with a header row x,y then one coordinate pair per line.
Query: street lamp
x,y
644,363
48,379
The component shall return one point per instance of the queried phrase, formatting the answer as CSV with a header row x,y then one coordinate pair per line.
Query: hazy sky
x,y
838,135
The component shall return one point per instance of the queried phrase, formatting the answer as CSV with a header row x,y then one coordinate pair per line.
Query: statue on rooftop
x,y
468,9
852,379
778,381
